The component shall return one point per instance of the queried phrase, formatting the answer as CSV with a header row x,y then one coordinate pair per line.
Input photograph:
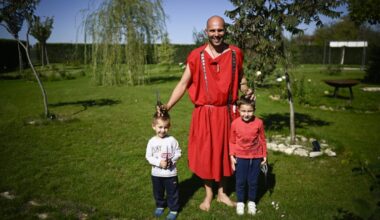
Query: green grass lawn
x,y
92,165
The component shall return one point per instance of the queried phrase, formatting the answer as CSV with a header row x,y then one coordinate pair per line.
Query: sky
x,y
184,16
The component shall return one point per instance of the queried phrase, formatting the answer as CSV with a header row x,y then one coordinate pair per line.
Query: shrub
x,y
373,68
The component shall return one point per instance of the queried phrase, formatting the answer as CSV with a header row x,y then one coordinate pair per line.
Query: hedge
x,y
315,54
60,53
65,52
9,55
74,53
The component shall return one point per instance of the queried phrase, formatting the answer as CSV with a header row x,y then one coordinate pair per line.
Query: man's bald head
x,y
214,19
215,31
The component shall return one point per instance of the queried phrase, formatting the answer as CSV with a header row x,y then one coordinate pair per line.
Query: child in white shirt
x,y
162,153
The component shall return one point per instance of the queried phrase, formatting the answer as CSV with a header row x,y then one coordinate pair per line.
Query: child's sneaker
x,y
251,208
158,212
172,215
240,208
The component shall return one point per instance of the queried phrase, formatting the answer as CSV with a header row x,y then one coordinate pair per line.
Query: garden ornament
x,y
316,146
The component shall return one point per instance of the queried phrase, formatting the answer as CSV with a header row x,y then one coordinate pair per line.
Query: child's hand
x,y
233,162
163,164
264,160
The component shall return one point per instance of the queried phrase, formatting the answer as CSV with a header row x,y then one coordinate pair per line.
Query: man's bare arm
x,y
180,88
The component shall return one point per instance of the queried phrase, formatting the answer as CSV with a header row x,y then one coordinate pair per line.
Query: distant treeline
x,y
312,54
81,53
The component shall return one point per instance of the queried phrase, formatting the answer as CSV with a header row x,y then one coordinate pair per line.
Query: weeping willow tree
x,y
165,51
121,31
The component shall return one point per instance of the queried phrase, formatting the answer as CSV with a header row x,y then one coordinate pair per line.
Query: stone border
x,y
280,143
371,89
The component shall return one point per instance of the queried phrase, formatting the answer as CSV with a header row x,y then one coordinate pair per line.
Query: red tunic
x,y
210,125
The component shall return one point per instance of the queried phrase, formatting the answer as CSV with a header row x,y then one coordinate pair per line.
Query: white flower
x,y
283,77
258,73
279,79
309,80
326,92
180,64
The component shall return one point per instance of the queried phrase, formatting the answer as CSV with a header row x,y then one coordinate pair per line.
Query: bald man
x,y
213,76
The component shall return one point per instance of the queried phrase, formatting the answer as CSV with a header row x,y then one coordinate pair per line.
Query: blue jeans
x,y
247,172
170,185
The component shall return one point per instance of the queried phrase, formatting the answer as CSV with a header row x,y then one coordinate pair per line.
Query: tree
x,y
14,18
165,51
368,11
364,11
41,30
199,37
12,14
121,32
345,29
259,25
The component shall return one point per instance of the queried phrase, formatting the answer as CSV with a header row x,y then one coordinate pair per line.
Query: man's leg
x,y
205,205
222,196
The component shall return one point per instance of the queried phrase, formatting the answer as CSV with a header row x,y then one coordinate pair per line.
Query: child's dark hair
x,y
162,116
246,101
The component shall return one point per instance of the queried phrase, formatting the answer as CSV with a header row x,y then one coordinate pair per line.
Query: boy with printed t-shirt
x,y
162,153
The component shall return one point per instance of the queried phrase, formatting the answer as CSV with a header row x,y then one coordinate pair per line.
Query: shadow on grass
x,y
346,215
188,188
276,122
87,103
163,79
10,77
338,96
266,183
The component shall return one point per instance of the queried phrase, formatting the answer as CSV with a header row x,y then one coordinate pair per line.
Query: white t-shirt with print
x,y
161,149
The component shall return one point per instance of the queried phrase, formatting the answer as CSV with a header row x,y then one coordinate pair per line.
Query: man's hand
x,y
161,109
250,95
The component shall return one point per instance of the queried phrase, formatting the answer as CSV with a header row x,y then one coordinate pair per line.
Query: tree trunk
x,y
291,105
46,55
44,95
85,45
42,54
21,64
27,39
